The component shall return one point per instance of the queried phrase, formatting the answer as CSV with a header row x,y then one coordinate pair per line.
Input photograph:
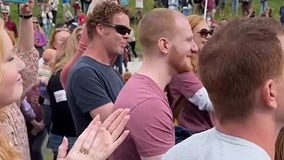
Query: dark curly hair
x,y
103,13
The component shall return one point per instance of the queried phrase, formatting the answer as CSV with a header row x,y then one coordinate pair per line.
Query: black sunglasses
x,y
35,22
5,13
121,29
205,32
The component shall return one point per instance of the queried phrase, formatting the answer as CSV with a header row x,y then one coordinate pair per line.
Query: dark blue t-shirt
x,y
90,85
281,12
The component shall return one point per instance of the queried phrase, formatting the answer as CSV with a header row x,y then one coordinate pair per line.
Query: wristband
x,y
26,16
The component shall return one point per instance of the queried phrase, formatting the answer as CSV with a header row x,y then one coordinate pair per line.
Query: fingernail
x,y
65,139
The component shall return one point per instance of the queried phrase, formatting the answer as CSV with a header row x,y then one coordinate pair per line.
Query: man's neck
x,y
96,51
157,70
260,131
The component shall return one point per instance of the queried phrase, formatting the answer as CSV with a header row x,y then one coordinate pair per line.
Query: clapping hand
x,y
99,140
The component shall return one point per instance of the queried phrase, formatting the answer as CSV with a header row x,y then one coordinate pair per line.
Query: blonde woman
x,y
201,33
57,38
67,50
12,123
61,125
7,151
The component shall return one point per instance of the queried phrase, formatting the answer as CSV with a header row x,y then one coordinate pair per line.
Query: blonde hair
x,y
7,151
53,35
194,20
66,51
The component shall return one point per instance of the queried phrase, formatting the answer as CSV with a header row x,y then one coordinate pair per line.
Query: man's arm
x,y
192,89
90,93
201,100
104,111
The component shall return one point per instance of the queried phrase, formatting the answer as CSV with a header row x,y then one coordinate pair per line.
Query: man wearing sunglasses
x,y
167,44
93,84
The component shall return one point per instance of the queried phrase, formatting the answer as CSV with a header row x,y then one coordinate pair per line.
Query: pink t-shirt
x,y
83,43
190,117
151,121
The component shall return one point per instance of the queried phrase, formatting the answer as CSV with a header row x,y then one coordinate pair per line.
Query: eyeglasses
x,y
5,14
35,22
205,32
121,29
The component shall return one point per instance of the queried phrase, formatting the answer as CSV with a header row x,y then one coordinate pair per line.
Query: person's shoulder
x,y
190,148
217,146
143,80
145,86
186,77
56,75
81,71
12,22
83,62
90,62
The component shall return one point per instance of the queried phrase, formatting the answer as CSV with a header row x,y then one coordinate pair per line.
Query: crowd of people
x,y
204,91
213,6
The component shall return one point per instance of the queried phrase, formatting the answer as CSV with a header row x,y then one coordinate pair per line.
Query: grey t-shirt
x,y
214,145
90,85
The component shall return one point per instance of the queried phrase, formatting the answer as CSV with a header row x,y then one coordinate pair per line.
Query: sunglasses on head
x,y
62,29
121,29
205,32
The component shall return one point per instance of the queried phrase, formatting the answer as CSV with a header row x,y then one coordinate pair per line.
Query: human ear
x,y
163,45
269,93
99,30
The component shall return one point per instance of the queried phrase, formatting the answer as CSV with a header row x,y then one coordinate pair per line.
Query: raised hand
x,y
27,8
